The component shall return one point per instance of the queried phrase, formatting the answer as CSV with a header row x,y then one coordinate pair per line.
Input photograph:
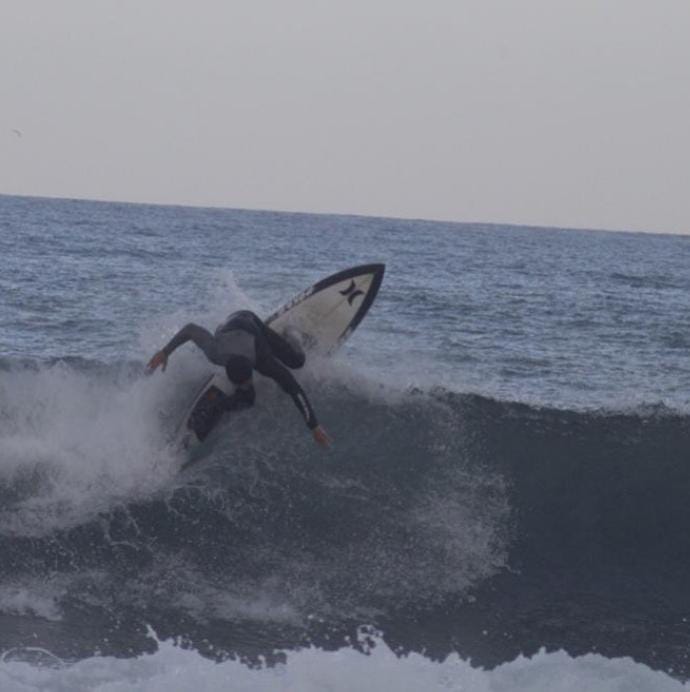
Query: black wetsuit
x,y
244,334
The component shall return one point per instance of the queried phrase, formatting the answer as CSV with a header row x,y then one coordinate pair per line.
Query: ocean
x,y
506,505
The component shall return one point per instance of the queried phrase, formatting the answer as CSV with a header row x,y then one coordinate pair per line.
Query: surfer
x,y
242,344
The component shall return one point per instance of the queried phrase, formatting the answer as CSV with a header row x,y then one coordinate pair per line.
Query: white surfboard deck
x,y
325,315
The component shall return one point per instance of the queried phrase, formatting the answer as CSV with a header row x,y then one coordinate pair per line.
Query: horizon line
x,y
226,207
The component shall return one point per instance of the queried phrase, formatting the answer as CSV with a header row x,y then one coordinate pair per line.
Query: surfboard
x,y
323,316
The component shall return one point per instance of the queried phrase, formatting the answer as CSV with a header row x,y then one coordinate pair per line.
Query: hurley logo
x,y
351,292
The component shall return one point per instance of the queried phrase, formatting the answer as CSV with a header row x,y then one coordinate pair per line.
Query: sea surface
x,y
506,505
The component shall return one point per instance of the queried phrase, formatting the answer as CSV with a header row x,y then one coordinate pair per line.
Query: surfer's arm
x,y
301,401
270,367
190,332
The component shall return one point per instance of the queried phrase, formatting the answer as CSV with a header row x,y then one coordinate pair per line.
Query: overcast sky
x,y
548,112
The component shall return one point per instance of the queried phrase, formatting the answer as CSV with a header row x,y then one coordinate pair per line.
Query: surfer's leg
x,y
288,352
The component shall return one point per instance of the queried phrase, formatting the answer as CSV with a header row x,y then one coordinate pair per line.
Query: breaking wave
x,y
426,498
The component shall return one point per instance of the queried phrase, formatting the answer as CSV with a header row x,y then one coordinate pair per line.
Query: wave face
x,y
266,528
607,487
433,512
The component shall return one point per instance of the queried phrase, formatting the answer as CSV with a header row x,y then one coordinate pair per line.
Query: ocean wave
x,y
604,470
396,513
604,484
428,498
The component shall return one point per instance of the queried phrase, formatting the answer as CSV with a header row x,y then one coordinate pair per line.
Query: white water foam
x,y
174,669
75,443
172,582
32,596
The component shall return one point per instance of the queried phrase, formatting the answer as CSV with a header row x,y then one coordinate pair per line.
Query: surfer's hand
x,y
159,358
322,437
